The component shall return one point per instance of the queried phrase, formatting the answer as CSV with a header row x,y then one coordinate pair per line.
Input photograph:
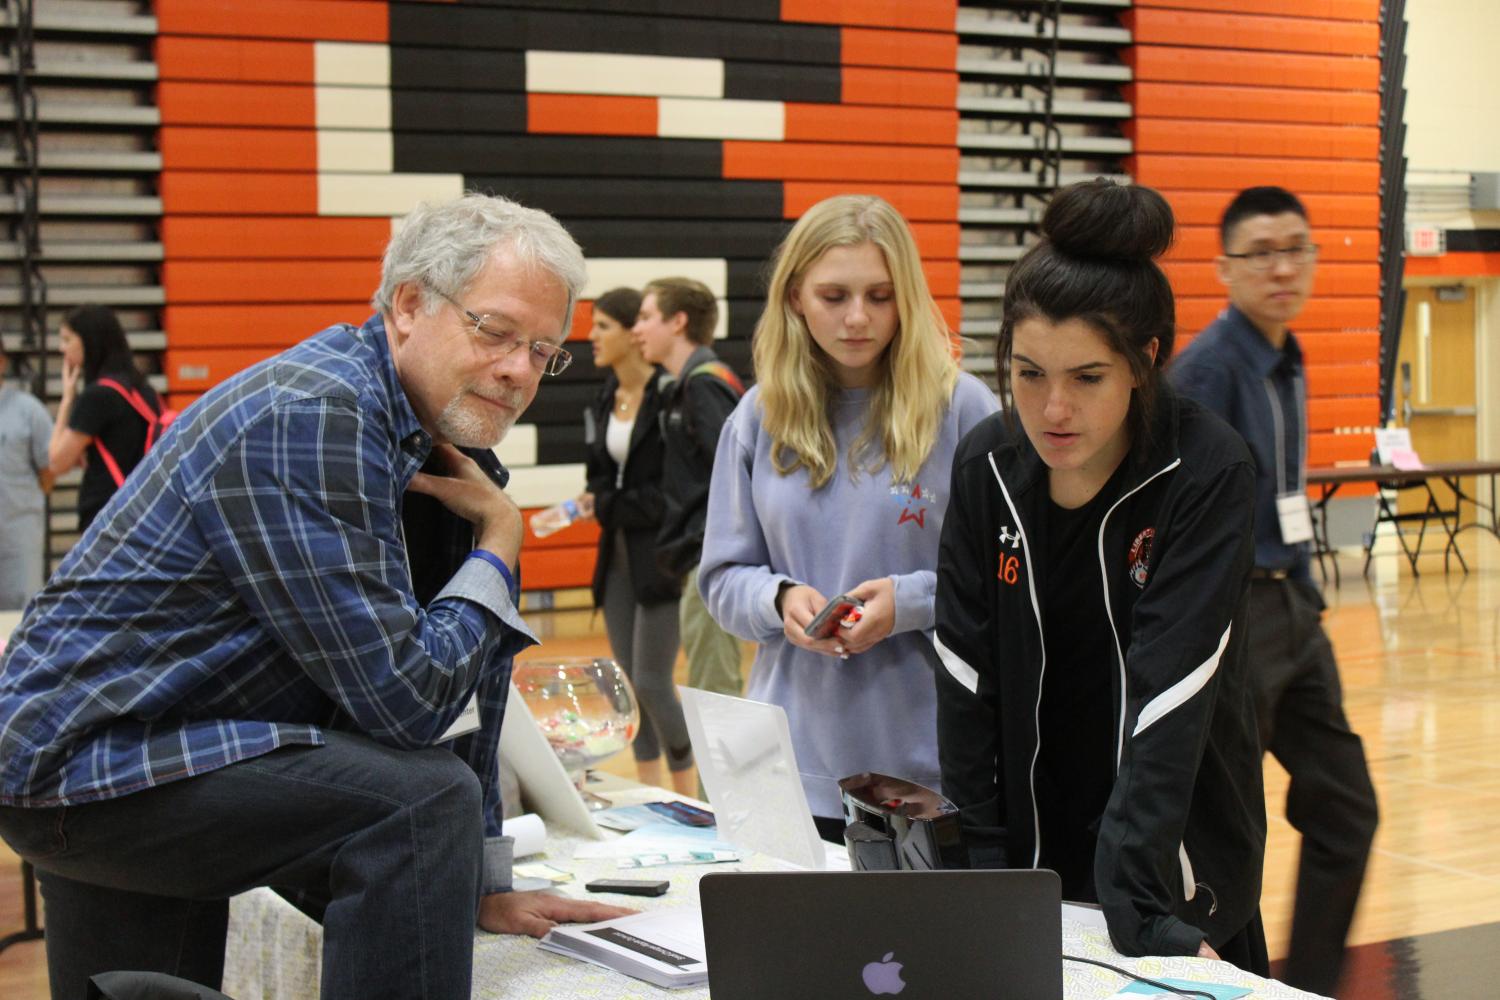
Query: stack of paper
x,y
664,947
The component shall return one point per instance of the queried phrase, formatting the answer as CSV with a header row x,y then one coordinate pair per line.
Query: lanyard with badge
x,y
1293,512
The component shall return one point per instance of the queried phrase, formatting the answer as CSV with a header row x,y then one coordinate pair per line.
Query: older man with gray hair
x,y
280,655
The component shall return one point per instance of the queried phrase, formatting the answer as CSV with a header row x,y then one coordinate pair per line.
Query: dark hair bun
x,y
1102,220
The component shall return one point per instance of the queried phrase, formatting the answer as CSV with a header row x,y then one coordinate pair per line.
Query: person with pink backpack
x,y
109,414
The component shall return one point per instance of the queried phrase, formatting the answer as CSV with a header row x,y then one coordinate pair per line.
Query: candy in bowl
x,y
585,708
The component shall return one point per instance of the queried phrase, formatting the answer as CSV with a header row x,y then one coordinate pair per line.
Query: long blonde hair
x,y
917,371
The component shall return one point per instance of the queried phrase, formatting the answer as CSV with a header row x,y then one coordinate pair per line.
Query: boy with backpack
x,y
674,329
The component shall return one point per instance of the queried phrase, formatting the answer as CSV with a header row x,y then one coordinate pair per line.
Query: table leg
x,y
1493,524
1320,533
1459,497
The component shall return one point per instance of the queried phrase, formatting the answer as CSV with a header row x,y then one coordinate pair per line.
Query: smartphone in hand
x,y
842,610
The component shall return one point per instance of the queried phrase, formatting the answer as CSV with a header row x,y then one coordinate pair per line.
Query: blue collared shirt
x,y
1232,369
249,587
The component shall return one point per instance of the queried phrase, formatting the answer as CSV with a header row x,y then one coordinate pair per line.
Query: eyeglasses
x,y
1264,260
549,359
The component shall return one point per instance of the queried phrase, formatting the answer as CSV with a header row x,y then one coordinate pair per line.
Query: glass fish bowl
x,y
586,708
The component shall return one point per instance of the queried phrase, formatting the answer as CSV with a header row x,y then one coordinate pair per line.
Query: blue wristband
x,y
498,563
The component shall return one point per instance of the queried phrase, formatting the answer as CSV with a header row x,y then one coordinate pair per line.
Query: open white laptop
x,y
745,760
545,787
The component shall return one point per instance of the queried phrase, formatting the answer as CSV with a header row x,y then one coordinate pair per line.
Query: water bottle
x,y
554,518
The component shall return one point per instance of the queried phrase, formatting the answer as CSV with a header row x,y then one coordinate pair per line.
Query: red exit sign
x,y
1426,241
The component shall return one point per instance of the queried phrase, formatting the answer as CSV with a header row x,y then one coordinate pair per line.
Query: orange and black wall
x,y
1230,94
683,136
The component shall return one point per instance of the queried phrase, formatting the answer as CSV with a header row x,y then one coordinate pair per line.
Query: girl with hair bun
x,y
1094,715
831,478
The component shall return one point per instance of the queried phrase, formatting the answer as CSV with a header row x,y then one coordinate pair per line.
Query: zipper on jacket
x,y
1190,883
1109,611
1041,638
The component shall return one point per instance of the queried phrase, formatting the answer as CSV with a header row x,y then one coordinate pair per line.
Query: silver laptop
x,y
917,935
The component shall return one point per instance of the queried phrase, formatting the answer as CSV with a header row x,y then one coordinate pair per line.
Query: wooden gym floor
x,y
1420,659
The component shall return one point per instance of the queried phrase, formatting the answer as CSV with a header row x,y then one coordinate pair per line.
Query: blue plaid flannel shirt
x,y
248,587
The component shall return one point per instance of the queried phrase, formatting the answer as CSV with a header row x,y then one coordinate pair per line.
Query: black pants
x,y
1330,801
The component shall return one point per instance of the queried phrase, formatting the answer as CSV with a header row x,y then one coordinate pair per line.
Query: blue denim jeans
x,y
383,845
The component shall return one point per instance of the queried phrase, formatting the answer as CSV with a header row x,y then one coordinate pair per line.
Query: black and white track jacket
x,y
1182,840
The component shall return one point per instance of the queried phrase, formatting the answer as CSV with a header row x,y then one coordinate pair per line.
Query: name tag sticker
x,y
1295,515
467,721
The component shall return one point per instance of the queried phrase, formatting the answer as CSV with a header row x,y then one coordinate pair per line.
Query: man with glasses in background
x,y
281,654
1247,367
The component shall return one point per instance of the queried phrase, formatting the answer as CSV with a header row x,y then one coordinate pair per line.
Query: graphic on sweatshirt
x,y
914,502
1140,556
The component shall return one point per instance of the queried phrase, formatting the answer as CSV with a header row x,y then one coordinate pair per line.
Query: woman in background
x,y
1094,715
831,477
25,430
624,476
97,427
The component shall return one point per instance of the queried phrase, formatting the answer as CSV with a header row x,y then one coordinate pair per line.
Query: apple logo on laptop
x,y
884,976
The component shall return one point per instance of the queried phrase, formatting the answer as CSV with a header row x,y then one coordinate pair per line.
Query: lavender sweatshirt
x,y
875,711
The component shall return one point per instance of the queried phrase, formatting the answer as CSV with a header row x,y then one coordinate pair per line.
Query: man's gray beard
x,y
462,425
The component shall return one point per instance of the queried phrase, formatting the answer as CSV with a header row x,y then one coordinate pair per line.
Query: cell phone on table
x,y
628,886
681,812
841,610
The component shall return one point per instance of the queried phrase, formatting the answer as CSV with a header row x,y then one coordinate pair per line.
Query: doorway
x,y
1436,379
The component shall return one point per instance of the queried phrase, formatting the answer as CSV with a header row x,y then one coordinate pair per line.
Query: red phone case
x,y
832,616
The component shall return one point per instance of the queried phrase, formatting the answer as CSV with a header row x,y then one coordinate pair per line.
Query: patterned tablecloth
x,y
274,950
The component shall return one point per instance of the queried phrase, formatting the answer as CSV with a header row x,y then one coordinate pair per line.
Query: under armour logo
x,y
1006,536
